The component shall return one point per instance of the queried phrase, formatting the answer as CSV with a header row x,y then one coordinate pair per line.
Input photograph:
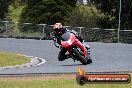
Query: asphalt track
x,y
107,57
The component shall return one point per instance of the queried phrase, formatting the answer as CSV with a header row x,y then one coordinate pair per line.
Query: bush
x,y
44,11
86,16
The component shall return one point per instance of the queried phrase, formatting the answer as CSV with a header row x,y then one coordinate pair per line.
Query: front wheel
x,y
61,55
80,57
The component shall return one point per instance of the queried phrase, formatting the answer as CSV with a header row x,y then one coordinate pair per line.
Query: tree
x,y
46,11
3,8
111,8
16,3
85,16
71,2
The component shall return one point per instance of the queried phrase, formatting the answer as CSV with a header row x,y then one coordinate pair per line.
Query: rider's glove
x,y
54,39
56,44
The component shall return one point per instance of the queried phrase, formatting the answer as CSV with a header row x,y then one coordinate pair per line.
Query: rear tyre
x,y
80,57
89,61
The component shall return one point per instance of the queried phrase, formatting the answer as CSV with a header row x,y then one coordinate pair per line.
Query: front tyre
x,y
80,57
61,56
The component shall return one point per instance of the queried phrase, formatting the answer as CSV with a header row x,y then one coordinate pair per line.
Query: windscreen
x,y
66,36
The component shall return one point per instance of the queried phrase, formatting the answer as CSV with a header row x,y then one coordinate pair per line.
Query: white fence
x,y
44,31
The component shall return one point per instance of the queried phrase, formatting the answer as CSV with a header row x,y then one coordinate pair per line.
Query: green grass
x,y
71,83
11,59
22,34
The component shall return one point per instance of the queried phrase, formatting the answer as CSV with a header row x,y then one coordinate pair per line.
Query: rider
x,y
58,32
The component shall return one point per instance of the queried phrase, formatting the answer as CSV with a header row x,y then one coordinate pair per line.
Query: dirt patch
x,y
44,77
37,77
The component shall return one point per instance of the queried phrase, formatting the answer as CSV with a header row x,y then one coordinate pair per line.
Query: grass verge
x,y
60,81
11,59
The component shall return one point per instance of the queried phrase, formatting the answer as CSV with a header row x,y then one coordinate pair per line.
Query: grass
x,y
63,83
27,35
11,59
59,81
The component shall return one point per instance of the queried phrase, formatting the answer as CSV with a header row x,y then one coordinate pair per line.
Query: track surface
x,y
107,57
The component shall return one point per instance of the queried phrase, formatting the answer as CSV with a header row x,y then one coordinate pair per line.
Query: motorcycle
x,y
75,48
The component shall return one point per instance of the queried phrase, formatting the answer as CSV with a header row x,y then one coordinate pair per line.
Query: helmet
x,y
57,27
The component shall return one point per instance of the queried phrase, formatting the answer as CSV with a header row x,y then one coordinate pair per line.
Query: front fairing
x,y
68,40
66,36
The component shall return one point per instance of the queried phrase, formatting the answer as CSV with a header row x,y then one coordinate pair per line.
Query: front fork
x,y
88,49
73,56
82,46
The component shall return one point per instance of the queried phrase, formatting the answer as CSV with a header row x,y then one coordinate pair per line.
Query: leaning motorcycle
x,y
75,48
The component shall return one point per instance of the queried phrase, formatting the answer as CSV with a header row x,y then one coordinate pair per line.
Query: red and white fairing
x,y
70,41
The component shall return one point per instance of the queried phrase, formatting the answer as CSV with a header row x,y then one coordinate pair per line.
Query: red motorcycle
x,y
75,48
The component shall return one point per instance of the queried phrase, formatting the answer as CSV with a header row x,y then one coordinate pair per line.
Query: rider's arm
x,y
56,41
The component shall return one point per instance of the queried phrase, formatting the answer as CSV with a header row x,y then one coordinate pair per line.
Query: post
x,y
6,28
6,25
80,30
119,23
43,30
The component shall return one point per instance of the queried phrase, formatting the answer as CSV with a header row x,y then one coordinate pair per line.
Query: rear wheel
x,y
89,60
80,57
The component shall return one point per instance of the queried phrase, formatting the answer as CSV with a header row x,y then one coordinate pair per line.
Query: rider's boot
x,y
68,56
